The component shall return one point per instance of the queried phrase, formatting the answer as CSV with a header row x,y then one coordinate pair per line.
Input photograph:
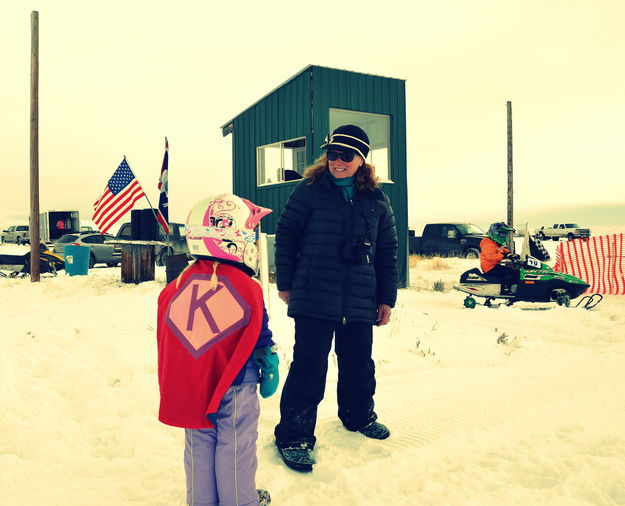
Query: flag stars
x,y
121,178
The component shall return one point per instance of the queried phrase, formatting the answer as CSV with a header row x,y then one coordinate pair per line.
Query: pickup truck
x,y
447,239
16,233
177,240
567,230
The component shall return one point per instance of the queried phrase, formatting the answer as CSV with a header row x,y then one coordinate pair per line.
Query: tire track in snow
x,y
486,405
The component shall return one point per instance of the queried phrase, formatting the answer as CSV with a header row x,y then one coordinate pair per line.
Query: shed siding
x,y
284,114
300,108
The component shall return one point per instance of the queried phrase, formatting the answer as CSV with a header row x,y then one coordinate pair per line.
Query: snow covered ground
x,y
506,406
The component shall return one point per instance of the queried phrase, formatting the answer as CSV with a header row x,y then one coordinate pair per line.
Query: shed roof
x,y
226,128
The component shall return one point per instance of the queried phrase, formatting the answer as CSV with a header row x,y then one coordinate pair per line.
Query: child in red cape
x,y
213,337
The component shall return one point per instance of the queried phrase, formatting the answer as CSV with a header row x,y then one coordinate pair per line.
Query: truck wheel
x,y
555,238
2,240
111,264
570,236
18,241
472,253
91,261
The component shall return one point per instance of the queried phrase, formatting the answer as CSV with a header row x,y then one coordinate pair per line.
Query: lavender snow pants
x,y
220,463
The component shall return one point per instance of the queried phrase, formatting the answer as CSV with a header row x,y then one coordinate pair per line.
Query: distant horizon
x,y
612,214
586,216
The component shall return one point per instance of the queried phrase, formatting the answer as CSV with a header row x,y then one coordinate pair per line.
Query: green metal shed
x,y
277,137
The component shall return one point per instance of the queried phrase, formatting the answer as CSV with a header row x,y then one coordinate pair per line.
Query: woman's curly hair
x,y
365,175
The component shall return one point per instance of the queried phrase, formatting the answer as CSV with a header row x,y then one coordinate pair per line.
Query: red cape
x,y
204,338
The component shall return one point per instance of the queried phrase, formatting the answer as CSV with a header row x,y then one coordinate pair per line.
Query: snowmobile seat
x,y
492,278
465,275
472,275
476,275
15,263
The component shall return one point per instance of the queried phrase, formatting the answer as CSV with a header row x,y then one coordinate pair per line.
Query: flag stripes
x,y
599,261
112,209
121,192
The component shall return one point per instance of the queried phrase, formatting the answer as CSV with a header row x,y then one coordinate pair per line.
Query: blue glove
x,y
269,376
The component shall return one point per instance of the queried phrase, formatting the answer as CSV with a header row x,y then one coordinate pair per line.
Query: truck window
x,y
432,230
469,228
124,232
448,232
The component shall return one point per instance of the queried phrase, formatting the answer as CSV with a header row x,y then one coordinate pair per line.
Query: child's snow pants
x,y
220,463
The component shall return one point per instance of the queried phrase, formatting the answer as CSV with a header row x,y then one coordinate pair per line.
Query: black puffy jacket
x,y
313,262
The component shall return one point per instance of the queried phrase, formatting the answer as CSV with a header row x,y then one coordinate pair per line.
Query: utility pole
x,y
35,270
510,216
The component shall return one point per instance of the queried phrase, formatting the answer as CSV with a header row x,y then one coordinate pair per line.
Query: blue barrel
x,y
77,260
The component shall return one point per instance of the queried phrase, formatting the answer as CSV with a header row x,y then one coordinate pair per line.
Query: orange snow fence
x,y
598,261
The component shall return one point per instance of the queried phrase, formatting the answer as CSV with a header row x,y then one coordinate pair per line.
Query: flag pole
x,y
169,248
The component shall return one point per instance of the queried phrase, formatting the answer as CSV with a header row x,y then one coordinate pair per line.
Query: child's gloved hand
x,y
269,376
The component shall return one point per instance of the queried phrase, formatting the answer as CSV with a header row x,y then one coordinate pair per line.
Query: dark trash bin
x,y
174,265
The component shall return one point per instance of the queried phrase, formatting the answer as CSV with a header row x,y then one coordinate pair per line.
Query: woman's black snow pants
x,y
305,384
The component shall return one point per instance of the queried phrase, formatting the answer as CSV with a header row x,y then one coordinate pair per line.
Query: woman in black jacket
x,y
336,268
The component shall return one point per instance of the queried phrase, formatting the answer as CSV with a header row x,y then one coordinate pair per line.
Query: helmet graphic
x,y
224,227
498,232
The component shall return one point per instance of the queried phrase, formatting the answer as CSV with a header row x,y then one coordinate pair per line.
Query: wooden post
x,y
35,267
510,216
137,262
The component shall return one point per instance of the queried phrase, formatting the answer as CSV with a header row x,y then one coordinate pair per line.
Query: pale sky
x,y
117,77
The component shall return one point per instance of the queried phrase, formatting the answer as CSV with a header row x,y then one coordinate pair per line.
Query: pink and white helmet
x,y
224,226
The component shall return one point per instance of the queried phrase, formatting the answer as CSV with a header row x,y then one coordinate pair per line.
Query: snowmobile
x,y
19,265
537,282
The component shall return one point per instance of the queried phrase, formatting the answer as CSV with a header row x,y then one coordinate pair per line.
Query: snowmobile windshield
x,y
469,228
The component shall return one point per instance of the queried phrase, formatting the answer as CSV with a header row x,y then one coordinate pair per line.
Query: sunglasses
x,y
346,156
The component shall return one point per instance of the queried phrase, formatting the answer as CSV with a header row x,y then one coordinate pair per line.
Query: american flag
x,y
122,191
163,185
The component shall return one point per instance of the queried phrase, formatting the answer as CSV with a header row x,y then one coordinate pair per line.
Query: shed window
x,y
378,128
281,161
